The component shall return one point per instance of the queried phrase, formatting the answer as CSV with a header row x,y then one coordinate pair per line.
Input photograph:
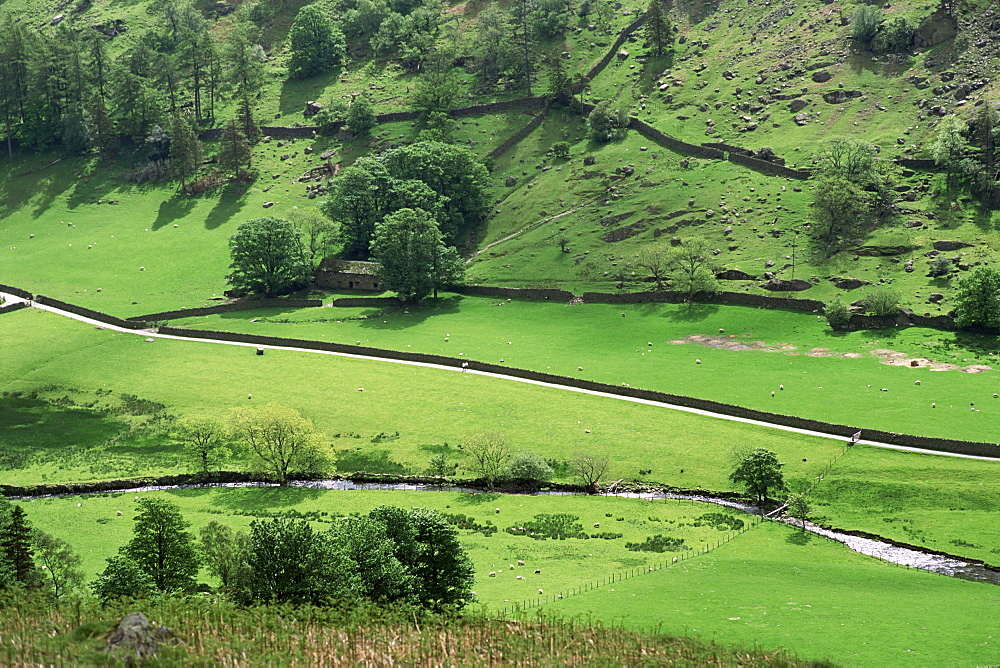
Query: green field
x,y
773,588
770,587
798,351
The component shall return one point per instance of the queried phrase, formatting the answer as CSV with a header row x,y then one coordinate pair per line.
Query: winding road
x,y
151,333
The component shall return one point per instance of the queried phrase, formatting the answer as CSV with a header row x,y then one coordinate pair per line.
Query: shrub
x,y
605,124
561,149
837,313
893,36
865,23
882,302
658,543
940,266
529,466
154,171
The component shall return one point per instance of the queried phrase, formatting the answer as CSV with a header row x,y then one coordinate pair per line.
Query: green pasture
x,y
774,587
798,351
96,530
432,410
943,503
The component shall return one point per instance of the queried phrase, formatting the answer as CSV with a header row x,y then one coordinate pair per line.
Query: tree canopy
x,y
161,547
414,259
317,45
281,439
268,257
977,301
759,471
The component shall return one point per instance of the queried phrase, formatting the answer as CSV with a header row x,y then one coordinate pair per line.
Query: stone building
x,y
347,275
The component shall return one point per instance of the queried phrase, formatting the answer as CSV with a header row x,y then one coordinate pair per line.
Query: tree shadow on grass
x,y
229,203
258,499
691,312
367,461
178,206
477,498
799,538
411,315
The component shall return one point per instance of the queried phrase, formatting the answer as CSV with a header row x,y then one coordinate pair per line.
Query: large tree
x,y
414,260
185,150
977,301
234,149
60,565
429,548
162,547
692,268
315,42
454,173
658,31
223,551
268,257
281,440
490,454
16,542
203,440
363,194
759,471
606,123
287,562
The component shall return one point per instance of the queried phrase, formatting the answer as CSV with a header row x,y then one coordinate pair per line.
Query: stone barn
x,y
347,275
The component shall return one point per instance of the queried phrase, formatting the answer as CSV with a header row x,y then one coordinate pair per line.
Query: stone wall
x,y
90,313
17,292
245,305
769,168
552,294
844,431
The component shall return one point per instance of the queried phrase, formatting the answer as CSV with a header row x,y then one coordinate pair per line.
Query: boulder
x,y
622,54
801,119
942,245
589,160
938,27
136,639
312,108
778,285
511,181
822,76
795,106
962,91
849,283
734,275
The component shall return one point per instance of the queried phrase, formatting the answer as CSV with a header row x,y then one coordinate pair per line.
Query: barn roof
x,y
350,267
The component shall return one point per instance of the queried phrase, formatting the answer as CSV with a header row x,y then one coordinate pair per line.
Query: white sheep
x,y
885,389
540,591
772,393
512,567
493,574
933,405
697,361
781,387
119,512
249,396
916,382
79,505
519,577
520,563
498,510
674,560
597,525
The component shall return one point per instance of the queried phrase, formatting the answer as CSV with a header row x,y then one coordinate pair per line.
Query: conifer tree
x,y
658,30
234,150
185,150
16,544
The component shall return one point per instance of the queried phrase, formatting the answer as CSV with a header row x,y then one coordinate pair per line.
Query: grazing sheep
x,y
597,525
538,571
885,389
519,577
512,567
916,382
79,505
119,512
933,405
249,396
697,361
781,387
772,393
498,510
674,560
520,563
493,574
580,368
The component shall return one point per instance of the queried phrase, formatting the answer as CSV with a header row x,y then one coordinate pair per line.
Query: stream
x,y
903,556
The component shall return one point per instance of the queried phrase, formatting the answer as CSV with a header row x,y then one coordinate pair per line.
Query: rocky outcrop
x,y
944,245
734,275
778,285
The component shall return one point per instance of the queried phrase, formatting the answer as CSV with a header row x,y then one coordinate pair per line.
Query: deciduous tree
x,y
977,301
490,454
281,439
414,260
316,43
759,471
161,547
60,565
204,442
268,257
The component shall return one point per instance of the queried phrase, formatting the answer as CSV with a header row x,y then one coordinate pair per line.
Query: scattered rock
x,y
822,76
943,245
796,106
734,275
778,285
511,181
849,283
312,108
268,205
136,639
622,55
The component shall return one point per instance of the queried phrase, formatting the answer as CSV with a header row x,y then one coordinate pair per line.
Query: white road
x,y
149,333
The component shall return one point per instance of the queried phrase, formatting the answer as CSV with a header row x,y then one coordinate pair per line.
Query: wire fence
x,y
513,610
